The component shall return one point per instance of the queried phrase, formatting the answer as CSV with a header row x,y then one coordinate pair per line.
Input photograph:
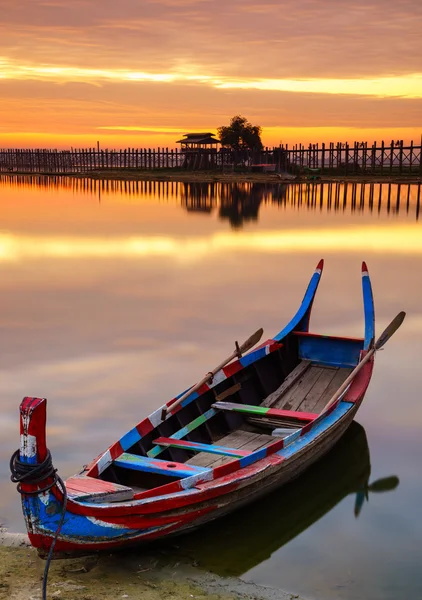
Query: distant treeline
x,y
340,158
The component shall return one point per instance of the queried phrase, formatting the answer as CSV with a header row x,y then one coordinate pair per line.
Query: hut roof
x,y
198,138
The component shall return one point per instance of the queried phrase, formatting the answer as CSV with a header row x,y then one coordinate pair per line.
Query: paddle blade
x,y
390,330
250,342
386,484
359,501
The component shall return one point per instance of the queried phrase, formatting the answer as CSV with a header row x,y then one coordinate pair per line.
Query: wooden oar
x,y
250,342
383,338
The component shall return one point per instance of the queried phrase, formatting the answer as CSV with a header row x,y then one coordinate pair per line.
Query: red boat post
x,y
33,448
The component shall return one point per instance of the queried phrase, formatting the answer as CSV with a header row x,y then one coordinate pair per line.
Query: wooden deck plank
x,y
239,439
235,439
318,389
198,447
296,394
256,443
291,379
335,383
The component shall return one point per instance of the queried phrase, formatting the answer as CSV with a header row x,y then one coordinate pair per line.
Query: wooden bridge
x,y
341,158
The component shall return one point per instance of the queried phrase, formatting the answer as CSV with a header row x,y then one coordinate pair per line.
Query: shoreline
x,y
214,177
150,575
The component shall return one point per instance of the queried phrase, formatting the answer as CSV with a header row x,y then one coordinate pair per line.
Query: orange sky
x,y
141,73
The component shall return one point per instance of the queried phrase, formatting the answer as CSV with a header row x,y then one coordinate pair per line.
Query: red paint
x,y
270,412
141,522
275,447
116,450
144,427
364,267
226,468
320,265
202,389
90,485
360,383
33,412
300,416
232,368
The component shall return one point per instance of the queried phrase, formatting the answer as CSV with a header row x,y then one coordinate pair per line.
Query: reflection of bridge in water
x,y
240,202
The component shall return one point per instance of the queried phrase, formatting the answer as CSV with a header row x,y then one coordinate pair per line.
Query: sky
x,y
140,73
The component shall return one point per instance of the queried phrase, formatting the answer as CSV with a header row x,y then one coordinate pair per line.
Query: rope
x,y
33,474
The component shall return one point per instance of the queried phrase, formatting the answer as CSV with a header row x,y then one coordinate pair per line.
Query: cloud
x,y
190,64
282,40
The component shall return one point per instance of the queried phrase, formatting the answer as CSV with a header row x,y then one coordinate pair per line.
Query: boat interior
x,y
270,398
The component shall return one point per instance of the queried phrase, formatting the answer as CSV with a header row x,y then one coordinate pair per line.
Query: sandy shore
x,y
148,575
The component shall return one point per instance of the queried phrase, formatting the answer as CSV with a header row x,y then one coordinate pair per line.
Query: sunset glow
x,y
384,239
142,74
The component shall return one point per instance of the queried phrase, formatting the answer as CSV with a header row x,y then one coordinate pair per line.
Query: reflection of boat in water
x,y
239,542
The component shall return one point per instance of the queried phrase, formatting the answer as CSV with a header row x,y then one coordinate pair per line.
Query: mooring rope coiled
x,y
34,474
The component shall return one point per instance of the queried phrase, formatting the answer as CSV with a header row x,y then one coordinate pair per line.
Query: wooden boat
x,y
251,426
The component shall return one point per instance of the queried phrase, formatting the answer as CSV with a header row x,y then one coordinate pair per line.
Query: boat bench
x,y
89,489
198,447
156,465
262,411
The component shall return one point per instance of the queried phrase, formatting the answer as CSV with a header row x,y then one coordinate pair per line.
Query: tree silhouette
x,y
240,134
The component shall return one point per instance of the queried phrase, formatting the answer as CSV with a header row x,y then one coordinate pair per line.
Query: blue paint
x,y
155,465
188,400
369,311
253,457
130,439
198,447
78,526
181,433
296,442
330,351
300,321
318,427
253,356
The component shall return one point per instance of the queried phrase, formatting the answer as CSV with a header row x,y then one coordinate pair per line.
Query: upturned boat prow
x,y
254,424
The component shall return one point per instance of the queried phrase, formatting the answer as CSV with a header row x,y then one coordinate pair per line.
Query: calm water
x,y
114,297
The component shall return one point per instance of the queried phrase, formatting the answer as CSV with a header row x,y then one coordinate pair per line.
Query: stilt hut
x,y
199,149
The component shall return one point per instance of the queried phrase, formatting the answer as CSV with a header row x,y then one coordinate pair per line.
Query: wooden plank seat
x,y
257,411
198,447
90,489
156,465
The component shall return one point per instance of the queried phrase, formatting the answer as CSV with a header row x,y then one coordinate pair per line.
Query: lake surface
x,y
115,296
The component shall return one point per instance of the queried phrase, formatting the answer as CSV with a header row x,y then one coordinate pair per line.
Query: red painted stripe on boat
x,y
232,368
144,427
145,522
226,468
301,416
116,450
275,446
306,428
360,383
169,488
213,489
93,472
